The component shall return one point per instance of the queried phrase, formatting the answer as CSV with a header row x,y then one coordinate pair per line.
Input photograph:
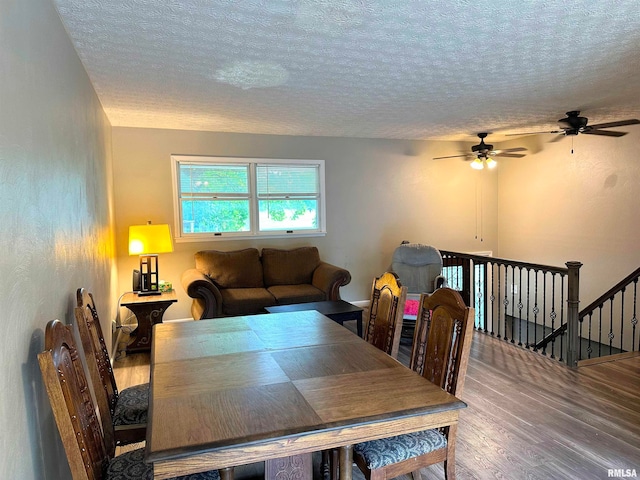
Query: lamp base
x,y
149,275
147,294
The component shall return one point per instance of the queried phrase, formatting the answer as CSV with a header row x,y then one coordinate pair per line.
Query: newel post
x,y
573,325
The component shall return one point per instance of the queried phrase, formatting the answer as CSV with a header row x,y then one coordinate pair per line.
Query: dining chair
x,y
75,415
123,414
386,309
440,353
383,328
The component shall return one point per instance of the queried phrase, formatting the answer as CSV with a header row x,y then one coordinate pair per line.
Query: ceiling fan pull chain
x,y
476,211
482,175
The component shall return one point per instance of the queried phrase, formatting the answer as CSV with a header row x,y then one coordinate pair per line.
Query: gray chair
x,y
419,268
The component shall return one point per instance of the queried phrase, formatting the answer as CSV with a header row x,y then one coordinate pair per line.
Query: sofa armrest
x,y
207,301
329,279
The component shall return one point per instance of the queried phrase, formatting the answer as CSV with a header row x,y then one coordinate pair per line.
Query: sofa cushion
x,y
289,267
288,294
244,301
235,269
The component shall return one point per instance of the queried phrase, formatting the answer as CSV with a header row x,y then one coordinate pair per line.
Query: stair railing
x,y
601,324
603,321
519,301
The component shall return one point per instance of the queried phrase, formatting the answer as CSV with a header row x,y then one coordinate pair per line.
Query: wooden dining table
x,y
275,388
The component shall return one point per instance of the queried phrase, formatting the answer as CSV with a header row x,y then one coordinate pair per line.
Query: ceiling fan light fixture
x,y
484,153
477,164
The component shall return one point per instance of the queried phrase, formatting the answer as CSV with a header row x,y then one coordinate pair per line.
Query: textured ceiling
x,y
412,69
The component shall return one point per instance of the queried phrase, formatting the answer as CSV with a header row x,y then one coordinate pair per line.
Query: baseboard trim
x,y
360,303
607,358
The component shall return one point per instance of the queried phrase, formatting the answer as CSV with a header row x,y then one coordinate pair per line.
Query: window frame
x,y
253,163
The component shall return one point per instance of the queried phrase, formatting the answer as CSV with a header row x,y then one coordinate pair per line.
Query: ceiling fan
x,y
574,124
485,152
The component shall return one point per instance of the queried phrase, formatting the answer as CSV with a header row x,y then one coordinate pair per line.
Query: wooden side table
x,y
148,310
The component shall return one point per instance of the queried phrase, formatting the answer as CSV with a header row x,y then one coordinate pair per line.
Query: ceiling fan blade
x,y
516,149
504,151
557,138
606,133
510,155
532,133
621,123
450,156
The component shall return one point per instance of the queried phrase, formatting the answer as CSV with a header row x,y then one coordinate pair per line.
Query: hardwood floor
x,y
528,417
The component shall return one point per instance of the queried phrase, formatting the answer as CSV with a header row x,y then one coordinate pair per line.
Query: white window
x,y
222,197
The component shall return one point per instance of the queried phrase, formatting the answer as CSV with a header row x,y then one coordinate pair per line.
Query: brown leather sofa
x,y
243,282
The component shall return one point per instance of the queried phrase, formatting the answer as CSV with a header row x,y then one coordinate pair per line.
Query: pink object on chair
x,y
411,307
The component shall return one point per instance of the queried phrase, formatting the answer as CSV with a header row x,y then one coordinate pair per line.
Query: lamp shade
x,y
145,239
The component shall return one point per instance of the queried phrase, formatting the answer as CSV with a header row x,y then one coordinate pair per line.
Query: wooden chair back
x,y
72,404
386,310
442,339
98,363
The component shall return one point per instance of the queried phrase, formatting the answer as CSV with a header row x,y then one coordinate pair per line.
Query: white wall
x,y
56,220
555,206
379,192
549,207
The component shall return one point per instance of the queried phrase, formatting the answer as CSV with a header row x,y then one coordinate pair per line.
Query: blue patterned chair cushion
x,y
386,451
132,406
131,466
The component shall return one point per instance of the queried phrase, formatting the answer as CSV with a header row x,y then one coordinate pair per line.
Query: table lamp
x,y
148,241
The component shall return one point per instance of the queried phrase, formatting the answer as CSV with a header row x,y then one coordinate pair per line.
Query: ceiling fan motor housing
x,y
482,147
574,123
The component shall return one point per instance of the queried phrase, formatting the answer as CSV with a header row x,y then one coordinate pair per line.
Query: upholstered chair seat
x,y
132,406
387,451
130,466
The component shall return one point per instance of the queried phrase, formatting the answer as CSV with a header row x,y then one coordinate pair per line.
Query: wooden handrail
x,y
505,261
610,293
552,336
